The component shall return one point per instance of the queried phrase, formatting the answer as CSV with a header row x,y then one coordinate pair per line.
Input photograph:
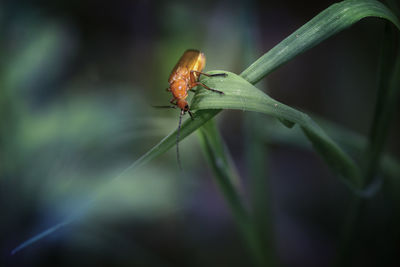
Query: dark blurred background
x,y
77,81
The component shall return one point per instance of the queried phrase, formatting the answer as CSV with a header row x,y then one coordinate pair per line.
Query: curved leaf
x,y
327,23
242,95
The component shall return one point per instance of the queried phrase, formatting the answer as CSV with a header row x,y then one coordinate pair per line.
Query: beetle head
x,y
183,105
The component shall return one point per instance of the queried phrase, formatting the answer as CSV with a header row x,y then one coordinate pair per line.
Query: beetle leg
x,y
168,89
192,80
173,101
208,88
191,114
208,75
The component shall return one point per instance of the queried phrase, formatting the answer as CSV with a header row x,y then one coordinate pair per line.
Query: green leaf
x,y
242,95
227,179
327,23
353,143
188,127
386,103
218,155
259,185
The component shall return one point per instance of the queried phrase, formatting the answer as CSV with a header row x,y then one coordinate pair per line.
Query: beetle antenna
x,y
177,140
170,106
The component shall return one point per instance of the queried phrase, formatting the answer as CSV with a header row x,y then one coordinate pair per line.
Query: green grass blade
x,y
329,22
257,169
226,178
188,127
242,95
217,154
354,143
388,92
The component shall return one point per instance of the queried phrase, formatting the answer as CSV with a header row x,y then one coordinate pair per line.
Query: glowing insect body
x,y
185,76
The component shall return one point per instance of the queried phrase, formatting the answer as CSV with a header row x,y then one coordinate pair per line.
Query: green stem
x,y
256,158
256,154
388,92
226,179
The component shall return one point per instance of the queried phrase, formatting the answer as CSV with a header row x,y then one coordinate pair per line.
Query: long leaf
x,y
226,178
329,22
242,95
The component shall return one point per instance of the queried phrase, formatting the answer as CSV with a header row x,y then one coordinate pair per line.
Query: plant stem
x,y
388,92
225,177
256,158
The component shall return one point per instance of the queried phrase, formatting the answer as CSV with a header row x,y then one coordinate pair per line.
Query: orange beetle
x,y
183,78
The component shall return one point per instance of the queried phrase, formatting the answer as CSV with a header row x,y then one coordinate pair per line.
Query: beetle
x,y
184,77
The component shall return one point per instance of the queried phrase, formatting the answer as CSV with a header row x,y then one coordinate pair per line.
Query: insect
x,y
184,77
